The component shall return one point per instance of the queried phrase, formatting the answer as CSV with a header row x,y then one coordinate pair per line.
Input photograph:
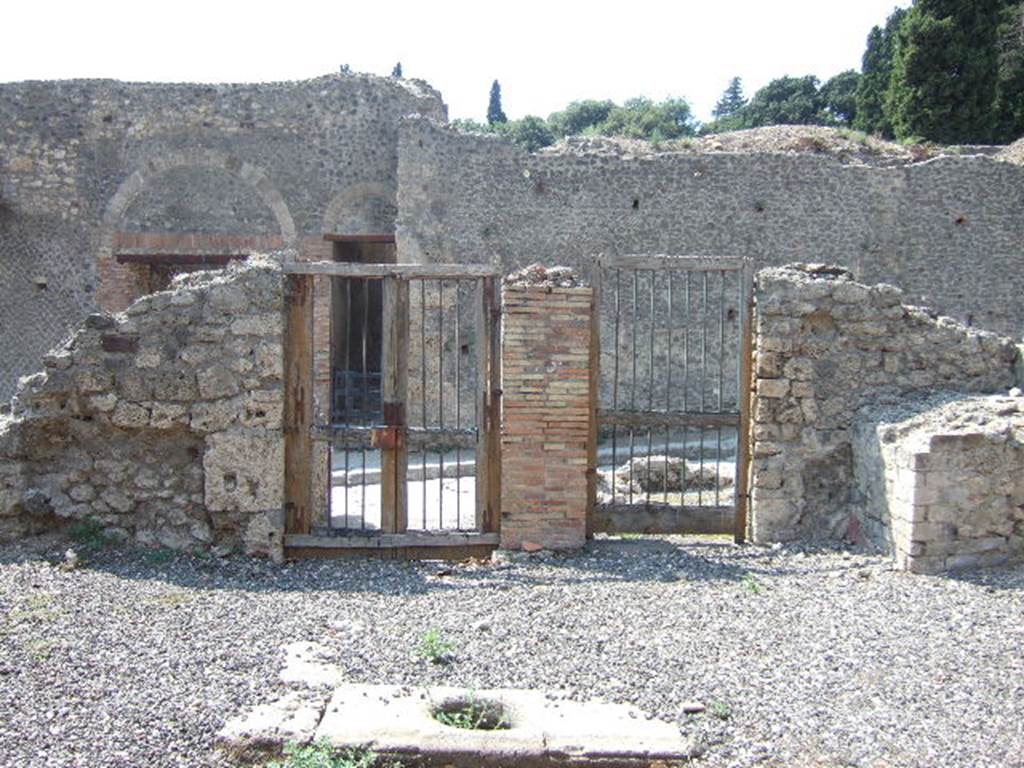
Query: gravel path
x,y
136,658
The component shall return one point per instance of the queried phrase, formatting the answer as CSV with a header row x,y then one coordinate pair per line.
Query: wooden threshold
x,y
662,519
396,546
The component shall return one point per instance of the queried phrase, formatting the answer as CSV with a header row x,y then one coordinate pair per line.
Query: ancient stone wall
x,y
943,488
83,162
162,424
546,402
826,348
949,231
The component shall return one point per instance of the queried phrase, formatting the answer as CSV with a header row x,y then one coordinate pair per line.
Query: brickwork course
x,y
546,391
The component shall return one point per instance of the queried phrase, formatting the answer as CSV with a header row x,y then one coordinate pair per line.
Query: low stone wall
x,y
546,397
827,347
162,424
943,489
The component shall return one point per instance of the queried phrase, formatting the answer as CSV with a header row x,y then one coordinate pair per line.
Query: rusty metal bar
x,y
366,398
650,389
348,355
703,377
632,392
668,386
615,377
440,403
423,392
380,271
458,408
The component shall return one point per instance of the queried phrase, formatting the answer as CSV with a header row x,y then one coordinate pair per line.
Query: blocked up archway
x,y
118,283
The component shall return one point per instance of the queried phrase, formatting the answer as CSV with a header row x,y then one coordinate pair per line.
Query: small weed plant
x,y
751,585
322,754
435,648
472,714
90,533
721,710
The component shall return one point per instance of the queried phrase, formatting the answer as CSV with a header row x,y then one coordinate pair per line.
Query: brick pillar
x,y
546,391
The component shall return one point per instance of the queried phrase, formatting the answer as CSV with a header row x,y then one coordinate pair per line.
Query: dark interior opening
x,y
357,325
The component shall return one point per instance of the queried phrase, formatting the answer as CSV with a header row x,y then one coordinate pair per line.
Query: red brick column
x,y
545,426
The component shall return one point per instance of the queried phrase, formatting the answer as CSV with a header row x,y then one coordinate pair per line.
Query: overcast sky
x,y
545,54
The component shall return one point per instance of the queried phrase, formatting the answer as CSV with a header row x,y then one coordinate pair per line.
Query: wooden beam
x,y
380,271
662,519
382,238
746,394
182,259
394,460
595,395
455,553
298,404
391,540
654,419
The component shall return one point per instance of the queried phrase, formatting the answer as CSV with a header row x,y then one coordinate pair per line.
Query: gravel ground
x,y
808,658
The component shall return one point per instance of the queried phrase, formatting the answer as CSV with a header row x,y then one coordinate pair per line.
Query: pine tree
x,y
876,72
1009,106
945,72
495,114
397,71
732,100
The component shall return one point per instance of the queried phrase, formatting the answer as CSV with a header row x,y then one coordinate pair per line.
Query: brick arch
x,y
117,281
350,196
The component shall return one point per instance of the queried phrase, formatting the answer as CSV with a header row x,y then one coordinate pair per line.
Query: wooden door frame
x,y
300,431
744,268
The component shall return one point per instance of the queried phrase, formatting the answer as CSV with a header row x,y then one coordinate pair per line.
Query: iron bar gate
x,y
672,417
408,390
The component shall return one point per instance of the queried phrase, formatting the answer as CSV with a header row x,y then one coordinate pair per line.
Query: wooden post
x,y
298,404
492,310
595,394
394,459
745,396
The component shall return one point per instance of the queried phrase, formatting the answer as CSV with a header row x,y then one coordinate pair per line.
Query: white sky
x,y
545,54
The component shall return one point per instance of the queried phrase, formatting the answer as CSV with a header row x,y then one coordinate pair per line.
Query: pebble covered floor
x,y
798,657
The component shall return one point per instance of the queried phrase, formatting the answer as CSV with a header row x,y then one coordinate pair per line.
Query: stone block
x,y
244,471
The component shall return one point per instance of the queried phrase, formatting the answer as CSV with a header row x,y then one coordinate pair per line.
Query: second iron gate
x,y
673,395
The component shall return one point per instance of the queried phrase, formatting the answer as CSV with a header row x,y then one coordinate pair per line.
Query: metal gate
x,y
673,381
409,426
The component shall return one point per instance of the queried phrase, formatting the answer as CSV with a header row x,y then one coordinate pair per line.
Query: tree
x,y
876,72
732,100
580,117
641,118
945,72
397,71
839,98
785,101
531,132
1009,104
495,114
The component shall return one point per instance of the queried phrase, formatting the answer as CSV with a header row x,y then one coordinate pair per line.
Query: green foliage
x,y
720,709
90,532
945,71
785,101
495,114
158,556
750,584
1009,103
579,117
473,715
641,118
434,647
531,132
732,100
876,72
321,754
839,98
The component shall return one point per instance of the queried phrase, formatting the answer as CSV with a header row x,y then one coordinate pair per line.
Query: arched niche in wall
x,y
144,221
361,209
